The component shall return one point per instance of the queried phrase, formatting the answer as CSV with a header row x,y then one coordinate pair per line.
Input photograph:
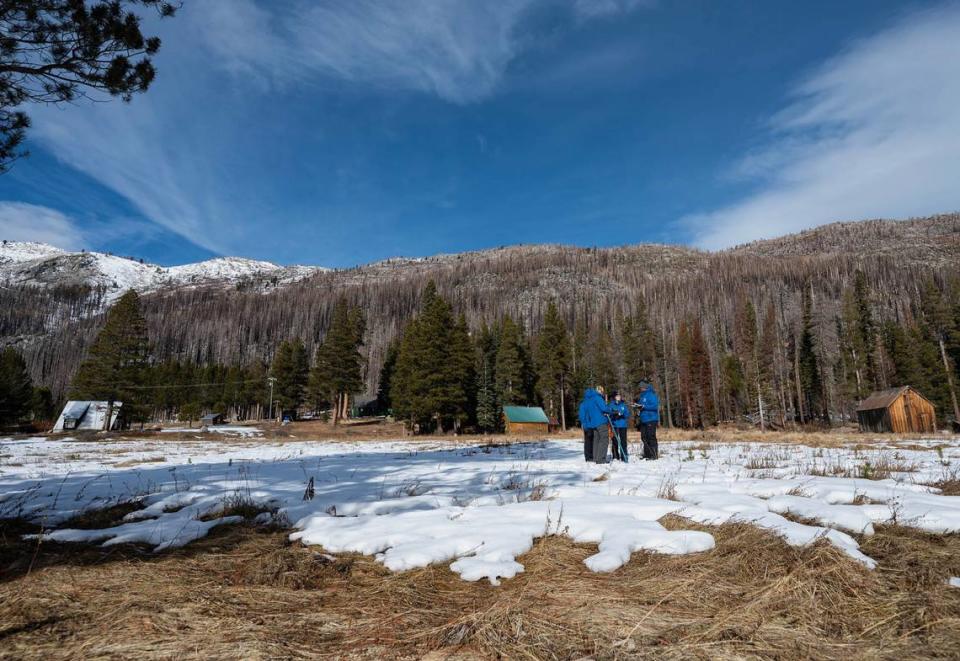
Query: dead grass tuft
x,y
137,462
242,505
949,487
106,517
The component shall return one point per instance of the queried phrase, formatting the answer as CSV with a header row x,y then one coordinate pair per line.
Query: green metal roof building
x,y
525,420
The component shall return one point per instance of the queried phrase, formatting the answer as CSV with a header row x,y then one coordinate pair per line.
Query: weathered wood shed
x,y
899,410
211,419
525,420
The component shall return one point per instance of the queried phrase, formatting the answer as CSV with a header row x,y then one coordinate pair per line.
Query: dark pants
x,y
600,443
588,445
648,434
620,442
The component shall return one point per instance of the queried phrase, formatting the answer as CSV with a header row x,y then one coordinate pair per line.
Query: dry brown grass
x,y
139,462
243,593
312,430
830,438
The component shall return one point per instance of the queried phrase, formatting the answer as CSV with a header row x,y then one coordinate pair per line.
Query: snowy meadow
x,y
477,508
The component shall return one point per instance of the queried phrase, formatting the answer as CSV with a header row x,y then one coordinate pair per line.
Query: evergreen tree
x,y
733,385
941,326
858,337
488,402
16,387
553,363
291,369
114,369
463,374
510,368
321,391
694,376
849,365
255,391
865,329
580,377
488,406
602,366
41,406
384,402
811,383
53,51
338,369
425,390
906,354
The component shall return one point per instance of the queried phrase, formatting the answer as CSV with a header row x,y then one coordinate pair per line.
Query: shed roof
x,y
882,399
525,414
88,414
75,410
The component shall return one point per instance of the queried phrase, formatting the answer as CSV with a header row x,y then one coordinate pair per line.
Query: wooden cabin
x,y
525,420
898,410
211,419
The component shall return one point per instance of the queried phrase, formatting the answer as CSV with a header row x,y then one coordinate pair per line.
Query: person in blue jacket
x,y
620,413
648,417
587,431
593,419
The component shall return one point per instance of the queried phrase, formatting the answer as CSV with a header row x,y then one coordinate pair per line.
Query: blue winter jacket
x,y
651,406
620,413
593,410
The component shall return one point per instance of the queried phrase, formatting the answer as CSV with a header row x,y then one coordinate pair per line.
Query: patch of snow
x,y
484,542
169,532
25,251
954,582
415,503
226,268
851,518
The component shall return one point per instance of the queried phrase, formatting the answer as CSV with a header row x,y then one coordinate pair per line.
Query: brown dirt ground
x,y
249,593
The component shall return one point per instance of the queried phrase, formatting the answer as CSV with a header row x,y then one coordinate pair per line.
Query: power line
x,y
189,385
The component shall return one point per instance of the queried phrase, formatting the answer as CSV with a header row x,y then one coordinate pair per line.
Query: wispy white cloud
x,y
594,8
29,222
188,154
458,50
874,132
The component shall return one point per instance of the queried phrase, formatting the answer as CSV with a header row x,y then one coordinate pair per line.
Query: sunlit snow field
x,y
478,507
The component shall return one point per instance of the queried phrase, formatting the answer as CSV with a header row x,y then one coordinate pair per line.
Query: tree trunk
x,y
760,404
796,376
563,413
946,370
666,374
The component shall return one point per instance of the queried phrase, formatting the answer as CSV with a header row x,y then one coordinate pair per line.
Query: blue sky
x,y
342,132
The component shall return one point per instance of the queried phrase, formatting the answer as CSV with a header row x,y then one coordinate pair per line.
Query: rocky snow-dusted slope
x,y
38,264
12,252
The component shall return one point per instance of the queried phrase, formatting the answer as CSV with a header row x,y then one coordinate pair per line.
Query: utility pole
x,y
271,380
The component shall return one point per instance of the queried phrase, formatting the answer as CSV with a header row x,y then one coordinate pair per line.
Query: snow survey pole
x,y
612,431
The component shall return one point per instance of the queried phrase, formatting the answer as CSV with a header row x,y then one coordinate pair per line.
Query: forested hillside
x,y
803,325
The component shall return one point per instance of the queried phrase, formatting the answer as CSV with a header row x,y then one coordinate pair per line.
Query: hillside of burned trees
x,y
673,286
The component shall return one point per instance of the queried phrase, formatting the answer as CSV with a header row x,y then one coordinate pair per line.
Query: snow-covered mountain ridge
x,y
39,264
